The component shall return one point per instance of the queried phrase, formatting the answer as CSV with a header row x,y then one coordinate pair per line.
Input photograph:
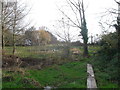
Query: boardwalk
x,y
91,83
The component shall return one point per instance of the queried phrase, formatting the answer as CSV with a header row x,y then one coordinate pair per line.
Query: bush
x,y
106,59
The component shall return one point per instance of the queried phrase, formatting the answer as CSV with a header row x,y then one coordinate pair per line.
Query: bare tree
x,y
77,8
63,32
117,27
13,14
109,19
0,43
6,13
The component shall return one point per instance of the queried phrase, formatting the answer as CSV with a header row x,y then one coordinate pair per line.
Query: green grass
x,y
93,49
103,81
32,51
16,82
102,78
65,76
70,75
35,51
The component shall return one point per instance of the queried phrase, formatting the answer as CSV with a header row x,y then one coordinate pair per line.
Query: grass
x,y
64,76
102,80
70,75
32,51
14,80
39,51
93,49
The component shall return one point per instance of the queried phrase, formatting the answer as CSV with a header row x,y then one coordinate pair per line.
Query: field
x,y
63,73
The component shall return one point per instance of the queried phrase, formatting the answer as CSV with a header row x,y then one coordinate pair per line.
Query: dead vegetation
x,y
10,61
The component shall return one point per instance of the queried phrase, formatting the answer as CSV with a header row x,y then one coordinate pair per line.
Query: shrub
x,y
107,57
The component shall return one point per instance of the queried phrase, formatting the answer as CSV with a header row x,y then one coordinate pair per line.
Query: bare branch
x,y
74,4
117,2
74,13
70,19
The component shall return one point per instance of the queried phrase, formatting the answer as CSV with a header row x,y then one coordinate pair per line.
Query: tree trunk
x,y
85,52
13,44
84,33
14,49
67,50
2,40
3,43
2,25
14,26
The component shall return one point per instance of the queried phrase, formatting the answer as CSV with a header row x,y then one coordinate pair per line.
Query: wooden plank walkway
x,y
91,82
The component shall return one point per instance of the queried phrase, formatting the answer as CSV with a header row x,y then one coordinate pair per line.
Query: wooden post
x,y
91,83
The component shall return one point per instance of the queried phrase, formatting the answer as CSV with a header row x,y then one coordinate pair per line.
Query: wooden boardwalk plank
x,y
91,82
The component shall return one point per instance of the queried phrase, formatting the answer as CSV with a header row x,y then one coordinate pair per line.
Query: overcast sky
x,y
45,12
